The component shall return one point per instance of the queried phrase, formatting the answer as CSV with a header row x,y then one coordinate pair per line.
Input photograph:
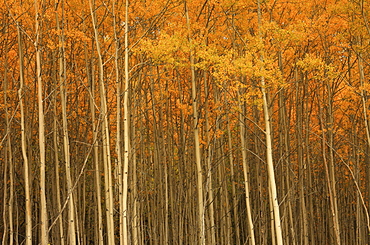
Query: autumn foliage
x,y
313,57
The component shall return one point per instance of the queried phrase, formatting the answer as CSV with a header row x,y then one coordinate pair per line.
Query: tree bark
x,y
108,183
27,188
270,164
66,144
126,127
201,214
243,145
43,208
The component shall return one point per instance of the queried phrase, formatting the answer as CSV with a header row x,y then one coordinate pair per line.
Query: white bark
x,y
201,214
108,183
27,188
270,164
246,174
43,210
126,136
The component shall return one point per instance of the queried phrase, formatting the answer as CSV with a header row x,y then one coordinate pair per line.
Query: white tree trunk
x,y
43,210
27,188
201,214
126,136
108,183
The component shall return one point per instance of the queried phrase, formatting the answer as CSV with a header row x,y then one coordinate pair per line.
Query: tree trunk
x,y
270,164
332,200
43,209
208,158
233,181
244,148
201,214
27,188
99,227
66,144
108,183
122,210
126,127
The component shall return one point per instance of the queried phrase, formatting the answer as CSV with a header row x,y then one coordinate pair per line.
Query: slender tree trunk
x,y
11,183
67,159
136,231
5,197
66,144
27,188
233,181
211,230
201,215
9,156
301,167
272,219
270,164
284,154
364,101
332,164
333,213
243,142
310,184
122,210
57,235
237,225
61,238
99,226
364,98
43,209
225,203
108,185
126,127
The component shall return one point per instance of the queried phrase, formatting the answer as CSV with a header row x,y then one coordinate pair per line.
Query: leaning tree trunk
x,y
270,164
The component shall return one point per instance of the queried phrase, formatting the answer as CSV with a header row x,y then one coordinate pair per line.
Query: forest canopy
x,y
184,122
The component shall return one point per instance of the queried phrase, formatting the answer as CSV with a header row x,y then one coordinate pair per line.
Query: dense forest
x,y
185,122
